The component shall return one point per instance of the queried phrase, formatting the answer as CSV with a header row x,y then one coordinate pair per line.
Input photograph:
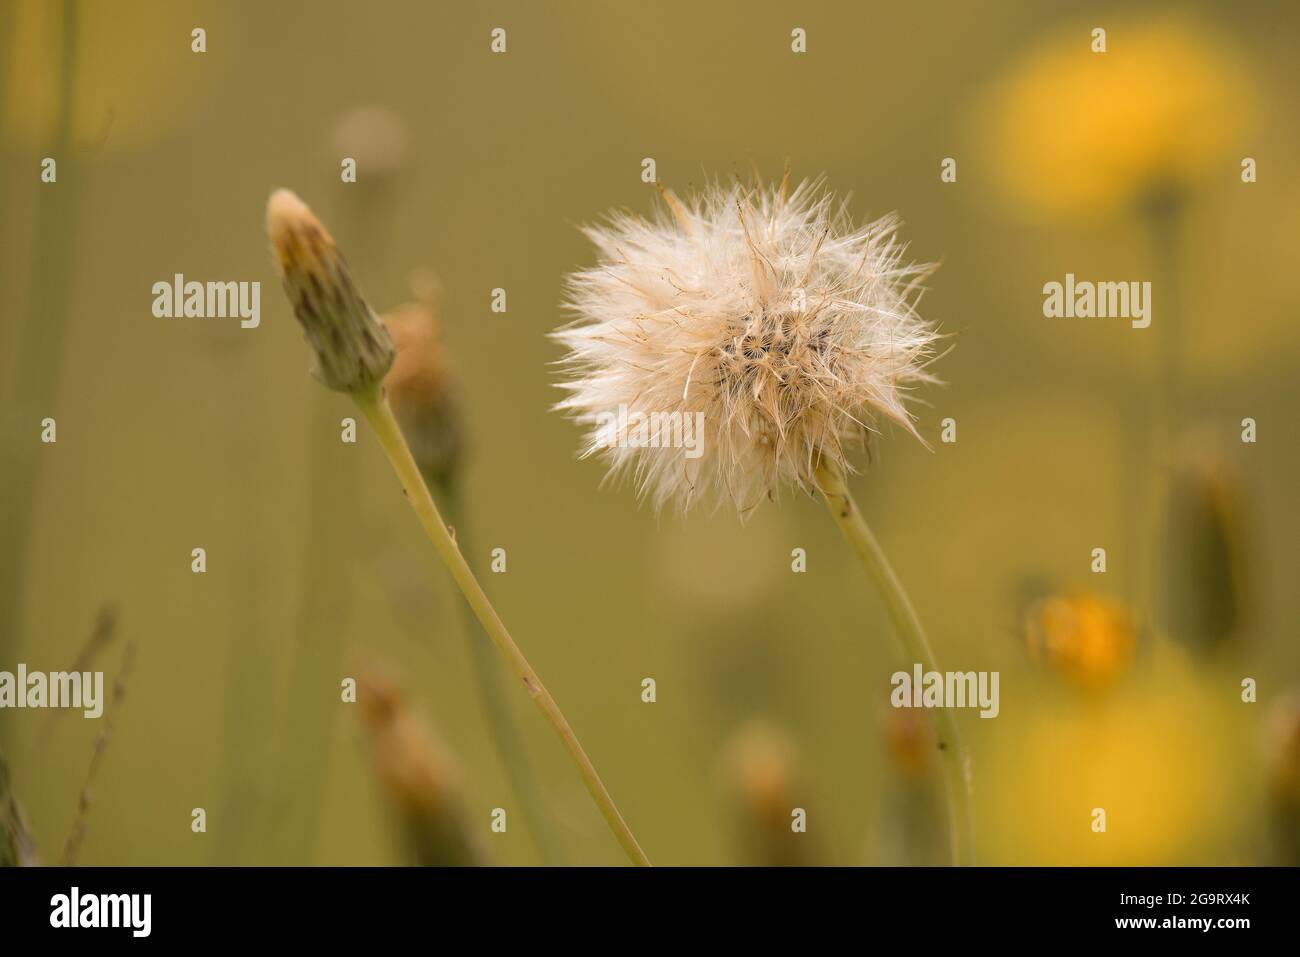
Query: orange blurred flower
x,y
1087,639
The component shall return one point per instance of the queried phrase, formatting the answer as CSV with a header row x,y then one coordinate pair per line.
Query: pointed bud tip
x,y
283,209
293,227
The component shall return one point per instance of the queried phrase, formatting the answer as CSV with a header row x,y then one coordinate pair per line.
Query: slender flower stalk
x,y
308,728
1163,394
496,705
907,626
375,408
353,352
421,391
36,375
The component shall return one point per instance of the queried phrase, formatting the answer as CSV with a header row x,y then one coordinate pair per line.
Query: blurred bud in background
x,y
1087,639
764,796
415,776
421,391
911,743
729,604
370,145
912,832
1283,760
420,387
1070,131
373,136
1202,566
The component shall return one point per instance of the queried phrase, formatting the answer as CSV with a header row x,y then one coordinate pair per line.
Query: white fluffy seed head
x,y
790,329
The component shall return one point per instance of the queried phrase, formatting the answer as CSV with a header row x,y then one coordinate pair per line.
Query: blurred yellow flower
x,y
1160,760
1073,131
1087,639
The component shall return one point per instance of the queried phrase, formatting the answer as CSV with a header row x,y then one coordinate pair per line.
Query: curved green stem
x,y
908,628
377,412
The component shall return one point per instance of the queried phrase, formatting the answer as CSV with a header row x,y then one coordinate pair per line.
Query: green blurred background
x,y
174,434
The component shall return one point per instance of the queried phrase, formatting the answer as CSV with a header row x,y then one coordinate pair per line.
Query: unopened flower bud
x,y
1202,567
415,776
352,348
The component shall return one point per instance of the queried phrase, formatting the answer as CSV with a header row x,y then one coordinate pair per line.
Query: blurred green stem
x,y
376,410
1160,399
333,491
492,692
1165,217
38,352
316,664
908,628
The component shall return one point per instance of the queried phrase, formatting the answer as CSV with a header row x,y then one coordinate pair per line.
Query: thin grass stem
x,y
492,694
907,626
377,412
39,343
